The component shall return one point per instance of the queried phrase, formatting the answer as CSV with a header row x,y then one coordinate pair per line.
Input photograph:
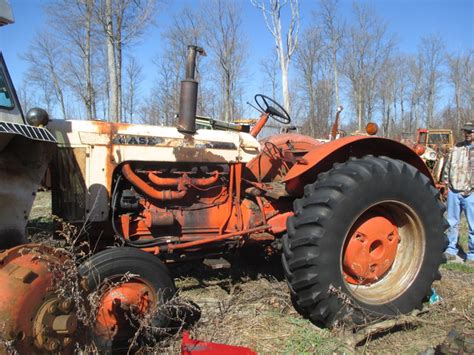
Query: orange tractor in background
x,y
433,146
357,221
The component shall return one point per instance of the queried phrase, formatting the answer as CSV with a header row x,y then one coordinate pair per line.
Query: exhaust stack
x,y
189,92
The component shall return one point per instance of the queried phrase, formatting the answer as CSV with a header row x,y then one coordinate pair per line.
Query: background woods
x,y
84,65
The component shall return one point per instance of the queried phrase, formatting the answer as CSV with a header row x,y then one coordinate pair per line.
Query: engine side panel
x,y
108,145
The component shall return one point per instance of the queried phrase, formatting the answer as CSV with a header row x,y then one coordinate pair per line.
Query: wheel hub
x,y
55,325
370,250
33,314
120,307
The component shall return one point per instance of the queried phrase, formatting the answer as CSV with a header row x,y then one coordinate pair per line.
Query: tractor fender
x,y
323,157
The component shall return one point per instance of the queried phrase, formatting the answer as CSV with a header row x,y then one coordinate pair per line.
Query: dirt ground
x,y
249,305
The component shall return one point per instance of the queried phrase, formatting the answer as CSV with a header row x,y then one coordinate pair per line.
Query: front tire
x,y
131,284
366,242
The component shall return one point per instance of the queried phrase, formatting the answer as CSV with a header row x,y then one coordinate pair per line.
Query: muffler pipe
x,y
189,92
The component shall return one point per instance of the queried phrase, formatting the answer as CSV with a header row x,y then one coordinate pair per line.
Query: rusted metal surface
x,y
213,210
162,195
189,93
259,125
184,180
22,166
110,144
113,321
278,154
30,311
238,234
323,157
278,222
158,218
370,250
335,126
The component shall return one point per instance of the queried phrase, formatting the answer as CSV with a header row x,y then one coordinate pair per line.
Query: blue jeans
x,y
456,204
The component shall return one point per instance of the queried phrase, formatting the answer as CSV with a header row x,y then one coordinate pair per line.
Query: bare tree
x,y
430,55
185,28
313,62
460,77
73,22
26,95
133,78
122,21
386,89
269,69
367,48
45,60
333,30
224,38
272,14
415,92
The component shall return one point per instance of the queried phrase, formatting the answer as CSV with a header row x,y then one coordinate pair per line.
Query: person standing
x,y
459,177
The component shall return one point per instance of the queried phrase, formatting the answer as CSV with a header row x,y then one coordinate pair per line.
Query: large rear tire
x,y
131,284
366,242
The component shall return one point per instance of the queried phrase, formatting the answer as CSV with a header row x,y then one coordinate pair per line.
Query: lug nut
x,y
65,305
52,345
52,308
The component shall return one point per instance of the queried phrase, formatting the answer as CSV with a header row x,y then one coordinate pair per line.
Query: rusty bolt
x,y
360,237
52,344
65,305
372,267
52,308
390,236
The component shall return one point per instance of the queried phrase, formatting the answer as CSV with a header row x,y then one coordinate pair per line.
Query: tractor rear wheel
x,y
132,285
366,242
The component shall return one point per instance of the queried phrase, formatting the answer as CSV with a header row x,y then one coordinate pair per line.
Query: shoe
x,y
449,257
469,262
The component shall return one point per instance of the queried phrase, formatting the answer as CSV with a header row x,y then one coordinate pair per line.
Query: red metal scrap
x,y
190,346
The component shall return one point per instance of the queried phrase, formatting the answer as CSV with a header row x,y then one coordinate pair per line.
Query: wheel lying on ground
x,y
131,284
366,242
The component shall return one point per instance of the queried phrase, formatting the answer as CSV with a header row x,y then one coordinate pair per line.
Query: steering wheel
x,y
264,103
271,150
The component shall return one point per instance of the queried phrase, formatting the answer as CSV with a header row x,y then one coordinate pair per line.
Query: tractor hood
x,y
133,142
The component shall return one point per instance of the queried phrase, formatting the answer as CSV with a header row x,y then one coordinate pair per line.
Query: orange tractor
x,y
357,220
433,146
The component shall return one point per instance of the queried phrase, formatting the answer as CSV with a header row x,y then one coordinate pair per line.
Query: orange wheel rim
x,y
370,250
120,304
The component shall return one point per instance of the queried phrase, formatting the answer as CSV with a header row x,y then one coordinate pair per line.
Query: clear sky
x,y
409,20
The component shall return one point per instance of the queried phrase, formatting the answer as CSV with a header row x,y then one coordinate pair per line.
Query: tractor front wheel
x,y
366,242
131,286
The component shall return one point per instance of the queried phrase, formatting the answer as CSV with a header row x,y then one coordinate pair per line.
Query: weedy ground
x,y
249,305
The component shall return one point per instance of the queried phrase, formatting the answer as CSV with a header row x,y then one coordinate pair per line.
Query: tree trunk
x,y
284,75
111,65
90,96
118,49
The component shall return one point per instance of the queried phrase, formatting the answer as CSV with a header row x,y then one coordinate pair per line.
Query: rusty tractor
x,y
433,146
357,220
